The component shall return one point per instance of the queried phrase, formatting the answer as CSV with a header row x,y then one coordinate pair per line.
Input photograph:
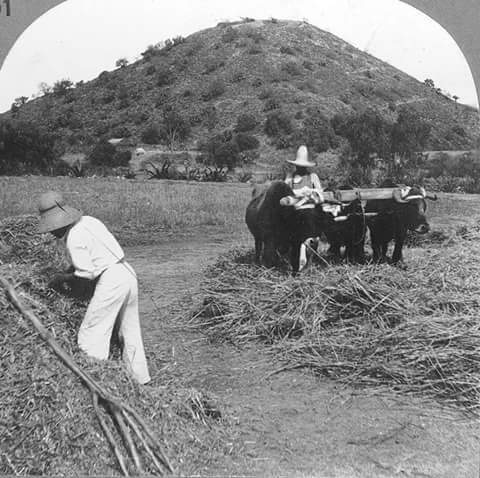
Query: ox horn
x,y
397,196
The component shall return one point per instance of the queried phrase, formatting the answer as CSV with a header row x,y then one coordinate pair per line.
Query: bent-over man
x,y
96,255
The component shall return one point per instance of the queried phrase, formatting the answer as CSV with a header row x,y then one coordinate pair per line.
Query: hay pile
x,y
414,331
47,421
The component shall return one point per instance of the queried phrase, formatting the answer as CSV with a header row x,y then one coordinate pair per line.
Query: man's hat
x,y
302,158
54,213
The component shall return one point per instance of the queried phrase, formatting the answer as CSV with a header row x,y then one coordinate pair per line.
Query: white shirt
x,y
307,187
92,248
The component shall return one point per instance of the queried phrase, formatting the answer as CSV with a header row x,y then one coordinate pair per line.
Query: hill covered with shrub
x,y
256,88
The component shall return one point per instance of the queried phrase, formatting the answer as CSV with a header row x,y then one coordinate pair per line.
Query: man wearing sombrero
x,y
305,185
96,255
303,182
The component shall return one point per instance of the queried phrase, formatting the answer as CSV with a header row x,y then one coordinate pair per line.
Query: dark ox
x,y
395,218
280,229
349,233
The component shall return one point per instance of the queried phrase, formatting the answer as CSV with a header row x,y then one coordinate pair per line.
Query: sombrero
x,y
302,158
54,213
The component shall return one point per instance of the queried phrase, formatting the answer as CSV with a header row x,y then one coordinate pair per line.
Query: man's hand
x,y
59,280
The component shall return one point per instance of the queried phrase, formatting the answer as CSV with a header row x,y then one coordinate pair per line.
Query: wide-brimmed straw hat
x,y
302,158
54,213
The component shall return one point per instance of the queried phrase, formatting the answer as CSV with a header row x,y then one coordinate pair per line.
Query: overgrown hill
x,y
248,67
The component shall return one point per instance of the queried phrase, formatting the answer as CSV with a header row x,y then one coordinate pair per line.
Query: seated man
x,y
304,183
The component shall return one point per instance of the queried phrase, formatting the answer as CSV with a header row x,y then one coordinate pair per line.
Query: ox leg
x,y
360,252
397,250
269,253
295,257
397,255
334,250
258,250
358,242
355,253
378,254
384,250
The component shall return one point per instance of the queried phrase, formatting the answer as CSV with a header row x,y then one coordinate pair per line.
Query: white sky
x,y
81,38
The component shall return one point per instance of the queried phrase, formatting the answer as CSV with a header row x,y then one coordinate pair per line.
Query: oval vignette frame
x,y
461,19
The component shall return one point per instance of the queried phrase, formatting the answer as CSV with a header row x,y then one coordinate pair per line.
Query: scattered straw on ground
x,y
47,421
415,331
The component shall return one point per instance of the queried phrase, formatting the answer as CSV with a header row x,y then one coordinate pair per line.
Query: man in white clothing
x,y
96,255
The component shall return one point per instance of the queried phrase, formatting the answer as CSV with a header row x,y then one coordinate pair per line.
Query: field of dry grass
x,y
133,205
143,205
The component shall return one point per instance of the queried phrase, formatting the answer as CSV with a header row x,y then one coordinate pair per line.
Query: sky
x,y
81,38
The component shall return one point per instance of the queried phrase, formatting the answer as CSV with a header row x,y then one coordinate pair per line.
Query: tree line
x,y
365,141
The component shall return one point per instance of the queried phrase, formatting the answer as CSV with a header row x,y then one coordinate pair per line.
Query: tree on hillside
x,y
409,136
106,154
44,88
25,148
220,154
61,87
175,127
368,135
317,132
277,123
151,51
151,134
18,103
121,63
429,82
245,122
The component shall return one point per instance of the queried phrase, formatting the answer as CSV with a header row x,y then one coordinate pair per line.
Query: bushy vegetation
x,y
372,140
215,89
106,154
224,152
246,122
317,132
277,123
164,76
61,87
221,153
246,141
229,35
25,148
121,63
173,128
151,134
292,68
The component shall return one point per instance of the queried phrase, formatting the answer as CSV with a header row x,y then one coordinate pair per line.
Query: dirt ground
x,y
292,423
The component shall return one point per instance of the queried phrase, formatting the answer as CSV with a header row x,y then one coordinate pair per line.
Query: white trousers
x,y
115,298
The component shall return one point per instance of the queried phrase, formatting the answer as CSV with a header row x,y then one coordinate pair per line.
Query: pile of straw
x,y
414,331
47,420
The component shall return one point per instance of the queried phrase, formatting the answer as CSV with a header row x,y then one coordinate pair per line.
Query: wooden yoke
x,y
350,195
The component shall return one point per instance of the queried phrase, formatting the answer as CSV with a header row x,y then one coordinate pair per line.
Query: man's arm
x,y
316,182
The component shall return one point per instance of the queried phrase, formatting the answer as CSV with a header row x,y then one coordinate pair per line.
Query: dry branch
x,y
112,405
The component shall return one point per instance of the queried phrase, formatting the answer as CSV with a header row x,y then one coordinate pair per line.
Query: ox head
x,y
414,207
